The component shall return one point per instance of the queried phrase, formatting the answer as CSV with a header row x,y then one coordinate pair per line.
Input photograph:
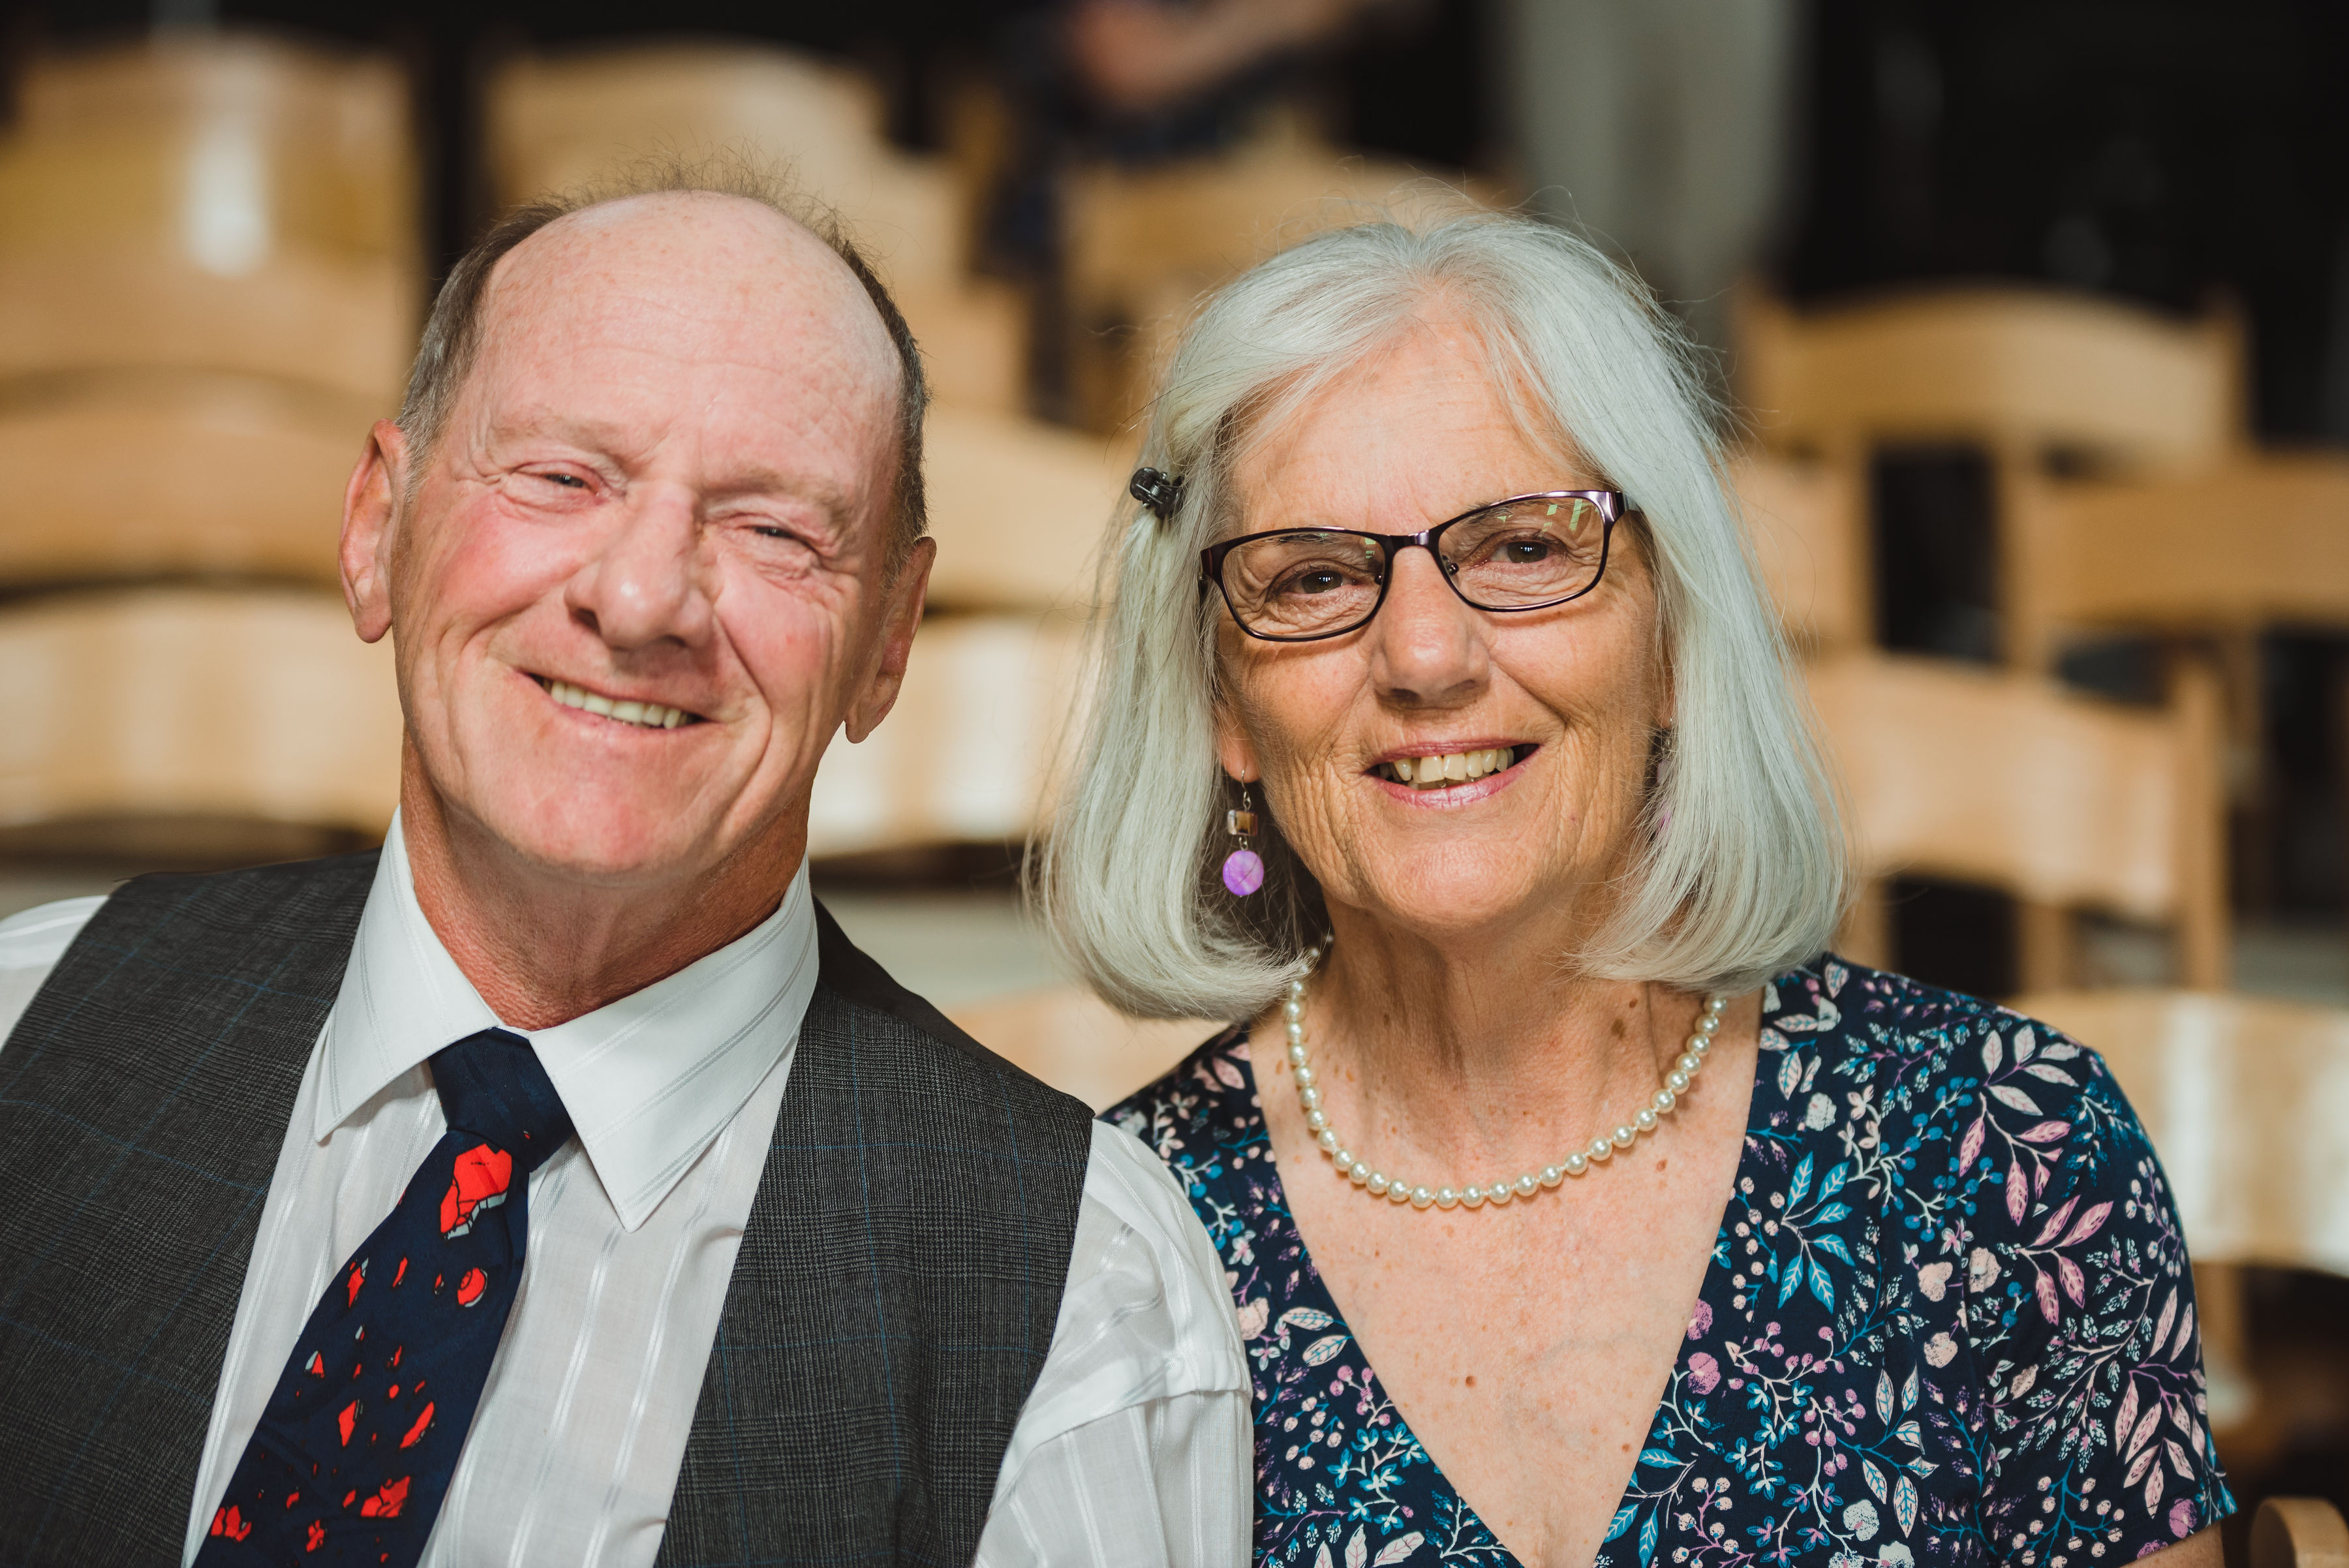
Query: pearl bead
x,y
1715,1003
1377,1183
1304,1077
1665,1100
1689,1063
1358,1173
1340,1158
1293,1009
1499,1193
1529,1184
1472,1197
1626,1135
1328,1138
1709,1024
1446,1198
1698,1044
1677,1081
1297,1052
1309,1097
1316,1120
1574,1164
1599,1150
1420,1197
1553,1174
1644,1118
1398,1192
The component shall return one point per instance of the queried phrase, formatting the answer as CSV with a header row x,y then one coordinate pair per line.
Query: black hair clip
x,y
1157,491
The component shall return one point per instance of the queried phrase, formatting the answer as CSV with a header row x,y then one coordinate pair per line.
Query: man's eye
x,y
571,480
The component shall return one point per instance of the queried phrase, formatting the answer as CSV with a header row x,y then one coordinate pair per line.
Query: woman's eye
x,y
1524,552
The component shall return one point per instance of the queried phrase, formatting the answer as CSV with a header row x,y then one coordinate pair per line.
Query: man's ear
x,y
901,616
370,509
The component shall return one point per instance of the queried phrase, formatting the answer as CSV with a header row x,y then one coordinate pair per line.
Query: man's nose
x,y
1427,647
648,582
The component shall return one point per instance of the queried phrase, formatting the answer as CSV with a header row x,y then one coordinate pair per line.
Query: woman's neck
x,y
1484,1050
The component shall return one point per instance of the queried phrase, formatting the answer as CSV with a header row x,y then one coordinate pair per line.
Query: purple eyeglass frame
x,y
1612,509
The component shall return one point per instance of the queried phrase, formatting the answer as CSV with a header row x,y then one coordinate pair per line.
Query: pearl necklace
x,y
1395,1189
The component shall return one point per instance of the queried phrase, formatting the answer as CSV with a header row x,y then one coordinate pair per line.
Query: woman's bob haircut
x,y
1744,872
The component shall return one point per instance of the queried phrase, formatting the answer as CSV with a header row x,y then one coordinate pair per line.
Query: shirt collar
x,y
650,1080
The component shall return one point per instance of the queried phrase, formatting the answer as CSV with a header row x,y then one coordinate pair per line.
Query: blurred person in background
x,y
1662,128
1578,1206
558,1185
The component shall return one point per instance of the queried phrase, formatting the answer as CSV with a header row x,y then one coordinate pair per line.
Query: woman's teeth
x,y
651,716
1453,767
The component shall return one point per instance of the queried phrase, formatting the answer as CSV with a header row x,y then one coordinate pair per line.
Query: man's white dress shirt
x,y
1134,1445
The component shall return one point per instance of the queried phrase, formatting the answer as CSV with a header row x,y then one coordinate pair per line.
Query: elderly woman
x,y
1577,1205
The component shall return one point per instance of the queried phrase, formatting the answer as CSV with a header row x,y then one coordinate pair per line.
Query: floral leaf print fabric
x,y
1948,1317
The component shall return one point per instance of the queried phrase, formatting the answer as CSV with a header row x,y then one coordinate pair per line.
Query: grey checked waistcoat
x,y
891,1305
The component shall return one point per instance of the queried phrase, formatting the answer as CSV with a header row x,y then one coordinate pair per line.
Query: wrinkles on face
x,y
1573,692
664,485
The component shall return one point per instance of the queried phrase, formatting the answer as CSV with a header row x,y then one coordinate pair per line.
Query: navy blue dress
x,y
1948,1317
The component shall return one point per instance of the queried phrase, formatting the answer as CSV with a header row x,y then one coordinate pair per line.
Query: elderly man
x,y
558,1185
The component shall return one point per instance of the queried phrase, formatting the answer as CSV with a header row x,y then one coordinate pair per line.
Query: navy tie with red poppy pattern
x,y
354,1451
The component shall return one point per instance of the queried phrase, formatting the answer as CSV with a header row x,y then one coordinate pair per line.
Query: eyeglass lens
x,y
1306,583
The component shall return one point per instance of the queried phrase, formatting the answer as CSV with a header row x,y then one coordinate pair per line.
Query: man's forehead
x,y
697,253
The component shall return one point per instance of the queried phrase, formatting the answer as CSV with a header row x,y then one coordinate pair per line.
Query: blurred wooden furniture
x,y
191,706
1019,509
967,755
1809,536
1139,247
209,285
2247,1102
2004,780
1079,1044
212,203
557,121
2033,378
2299,1532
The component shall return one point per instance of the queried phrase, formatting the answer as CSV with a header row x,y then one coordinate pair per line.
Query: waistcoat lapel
x,y
143,1101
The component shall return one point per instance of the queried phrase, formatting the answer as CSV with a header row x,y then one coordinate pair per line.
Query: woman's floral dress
x,y
1948,1318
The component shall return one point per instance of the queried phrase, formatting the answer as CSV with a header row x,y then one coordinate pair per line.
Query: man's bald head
x,y
452,338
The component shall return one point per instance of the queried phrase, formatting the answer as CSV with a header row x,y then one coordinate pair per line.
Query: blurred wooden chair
x,y
172,476
2033,378
213,204
557,121
2247,1102
1079,1044
142,718
1809,538
967,755
2299,1532
1140,246
2006,781
1019,509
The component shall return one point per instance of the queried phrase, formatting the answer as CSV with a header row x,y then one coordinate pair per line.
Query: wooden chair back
x,y
1019,509
1079,1044
174,476
2007,780
1138,247
2011,367
183,704
2247,1100
967,755
1810,540
2299,1532
214,205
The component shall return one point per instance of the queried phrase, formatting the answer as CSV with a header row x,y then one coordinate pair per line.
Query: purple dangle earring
x,y
1243,868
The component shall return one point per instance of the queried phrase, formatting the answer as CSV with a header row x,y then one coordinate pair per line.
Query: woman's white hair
x,y
1744,871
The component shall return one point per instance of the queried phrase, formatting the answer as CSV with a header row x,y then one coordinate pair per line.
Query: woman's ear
x,y
1232,748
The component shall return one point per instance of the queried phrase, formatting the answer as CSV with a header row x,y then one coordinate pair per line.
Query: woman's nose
x,y
646,583
1427,645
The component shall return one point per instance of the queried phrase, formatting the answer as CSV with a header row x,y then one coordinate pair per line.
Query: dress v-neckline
x,y
1314,1296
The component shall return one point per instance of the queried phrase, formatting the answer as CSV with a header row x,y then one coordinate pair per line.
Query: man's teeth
x,y
651,716
1453,767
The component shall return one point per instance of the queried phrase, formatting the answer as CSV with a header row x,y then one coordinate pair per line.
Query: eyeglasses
x,y
1527,553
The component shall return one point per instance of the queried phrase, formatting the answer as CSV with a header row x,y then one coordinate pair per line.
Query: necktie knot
x,y
491,1085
